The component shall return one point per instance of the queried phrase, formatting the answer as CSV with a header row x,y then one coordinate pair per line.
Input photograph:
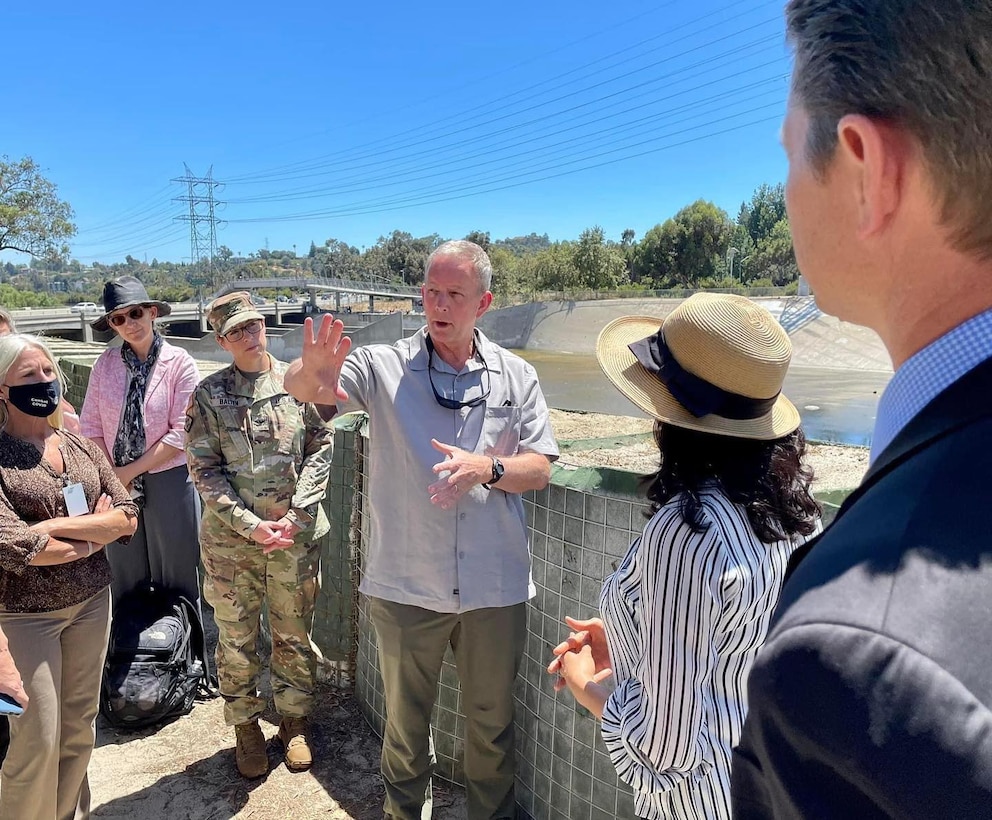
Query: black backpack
x,y
155,663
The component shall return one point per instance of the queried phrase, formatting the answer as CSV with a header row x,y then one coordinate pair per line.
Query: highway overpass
x,y
192,315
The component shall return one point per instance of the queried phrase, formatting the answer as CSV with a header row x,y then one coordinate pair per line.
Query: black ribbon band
x,y
698,396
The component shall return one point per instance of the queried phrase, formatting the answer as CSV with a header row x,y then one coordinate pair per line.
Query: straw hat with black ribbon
x,y
715,365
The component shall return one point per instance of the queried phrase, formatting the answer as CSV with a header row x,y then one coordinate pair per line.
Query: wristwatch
x,y
498,470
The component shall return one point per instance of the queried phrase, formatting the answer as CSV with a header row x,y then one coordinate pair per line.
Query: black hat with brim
x,y
124,292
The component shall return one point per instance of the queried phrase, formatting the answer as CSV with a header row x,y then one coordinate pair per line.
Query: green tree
x,y
405,256
553,268
775,258
14,297
685,249
521,245
336,259
628,247
32,217
508,279
599,266
480,238
765,210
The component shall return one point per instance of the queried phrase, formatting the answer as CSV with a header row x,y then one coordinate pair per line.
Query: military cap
x,y
227,312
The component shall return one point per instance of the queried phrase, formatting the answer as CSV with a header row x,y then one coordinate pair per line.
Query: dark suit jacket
x,y
872,696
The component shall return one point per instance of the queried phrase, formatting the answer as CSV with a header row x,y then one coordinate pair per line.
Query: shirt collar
x,y
927,373
484,351
261,386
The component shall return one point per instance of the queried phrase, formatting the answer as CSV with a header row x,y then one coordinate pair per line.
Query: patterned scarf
x,y
130,443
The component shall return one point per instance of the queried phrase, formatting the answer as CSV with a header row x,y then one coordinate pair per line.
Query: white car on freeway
x,y
84,307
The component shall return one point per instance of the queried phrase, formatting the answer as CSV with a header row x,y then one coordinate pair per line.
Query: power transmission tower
x,y
202,219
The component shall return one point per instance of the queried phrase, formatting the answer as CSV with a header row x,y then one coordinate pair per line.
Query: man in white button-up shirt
x,y
458,429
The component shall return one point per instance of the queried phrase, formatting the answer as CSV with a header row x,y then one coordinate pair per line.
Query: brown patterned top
x,y
30,491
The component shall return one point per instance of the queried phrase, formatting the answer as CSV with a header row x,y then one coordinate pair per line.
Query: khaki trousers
x,y
60,656
488,645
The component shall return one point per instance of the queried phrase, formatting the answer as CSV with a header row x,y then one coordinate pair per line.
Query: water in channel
x,y
836,405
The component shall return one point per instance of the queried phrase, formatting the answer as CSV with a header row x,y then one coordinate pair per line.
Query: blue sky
x,y
351,120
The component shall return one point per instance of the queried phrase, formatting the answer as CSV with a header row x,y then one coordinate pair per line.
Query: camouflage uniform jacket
x,y
256,454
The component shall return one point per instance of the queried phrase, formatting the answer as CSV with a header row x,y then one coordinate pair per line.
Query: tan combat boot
x,y
293,734
250,750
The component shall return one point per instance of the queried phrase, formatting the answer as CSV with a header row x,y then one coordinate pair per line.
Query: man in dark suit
x,y
873,694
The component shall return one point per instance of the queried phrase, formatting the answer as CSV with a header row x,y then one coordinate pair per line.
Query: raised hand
x,y
315,376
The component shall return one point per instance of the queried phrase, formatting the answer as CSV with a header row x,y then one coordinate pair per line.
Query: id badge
x,y
75,500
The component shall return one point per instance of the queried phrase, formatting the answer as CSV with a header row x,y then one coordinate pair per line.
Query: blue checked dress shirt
x,y
927,373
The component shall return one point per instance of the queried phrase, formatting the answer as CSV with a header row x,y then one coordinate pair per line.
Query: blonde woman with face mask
x,y
60,503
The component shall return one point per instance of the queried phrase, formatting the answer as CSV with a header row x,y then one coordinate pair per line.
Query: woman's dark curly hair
x,y
768,478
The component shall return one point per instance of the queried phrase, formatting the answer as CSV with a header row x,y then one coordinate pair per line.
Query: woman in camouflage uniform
x,y
260,460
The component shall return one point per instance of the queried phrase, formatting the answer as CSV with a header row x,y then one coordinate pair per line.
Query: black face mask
x,y
39,400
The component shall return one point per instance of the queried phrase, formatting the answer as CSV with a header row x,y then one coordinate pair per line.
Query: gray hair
x,y
923,65
7,319
11,347
463,249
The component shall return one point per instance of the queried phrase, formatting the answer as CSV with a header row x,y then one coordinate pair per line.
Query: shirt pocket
x,y
287,427
234,441
501,430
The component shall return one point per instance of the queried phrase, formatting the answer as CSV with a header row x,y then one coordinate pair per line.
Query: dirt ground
x,y
625,442
185,770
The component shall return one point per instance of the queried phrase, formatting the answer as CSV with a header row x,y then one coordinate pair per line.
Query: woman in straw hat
x,y
688,607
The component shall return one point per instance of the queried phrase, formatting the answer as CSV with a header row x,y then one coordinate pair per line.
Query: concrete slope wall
x,y
572,327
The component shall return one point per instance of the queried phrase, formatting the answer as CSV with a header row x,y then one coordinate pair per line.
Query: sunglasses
x,y
254,327
134,314
454,404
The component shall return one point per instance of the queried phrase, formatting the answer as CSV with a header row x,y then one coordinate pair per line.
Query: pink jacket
x,y
170,386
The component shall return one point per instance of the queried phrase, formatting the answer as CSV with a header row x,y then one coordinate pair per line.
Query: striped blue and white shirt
x,y
927,373
685,614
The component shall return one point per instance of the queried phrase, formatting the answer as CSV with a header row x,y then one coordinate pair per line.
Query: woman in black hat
x,y
134,410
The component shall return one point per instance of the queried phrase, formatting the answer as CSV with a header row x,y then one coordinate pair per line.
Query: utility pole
x,y
202,219
731,253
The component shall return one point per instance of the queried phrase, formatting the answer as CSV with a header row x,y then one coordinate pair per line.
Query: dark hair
x,y
923,65
768,478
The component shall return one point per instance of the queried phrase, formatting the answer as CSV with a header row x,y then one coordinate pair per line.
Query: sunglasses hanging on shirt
x,y
454,404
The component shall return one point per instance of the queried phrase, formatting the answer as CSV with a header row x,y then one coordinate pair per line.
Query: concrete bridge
x,y
64,320
322,284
